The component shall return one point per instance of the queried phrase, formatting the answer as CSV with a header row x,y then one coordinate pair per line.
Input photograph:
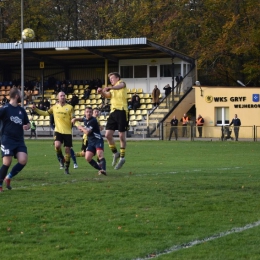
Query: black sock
x,y
94,164
103,163
3,173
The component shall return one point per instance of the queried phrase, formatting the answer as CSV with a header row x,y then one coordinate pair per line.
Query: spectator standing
x,y
33,129
155,96
167,89
179,80
174,128
185,121
200,123
237,123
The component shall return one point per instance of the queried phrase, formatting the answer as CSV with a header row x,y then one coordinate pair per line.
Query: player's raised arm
x,y
41,112
104,92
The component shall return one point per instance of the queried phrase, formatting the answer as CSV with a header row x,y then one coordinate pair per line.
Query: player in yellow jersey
x,y
118,118
63,114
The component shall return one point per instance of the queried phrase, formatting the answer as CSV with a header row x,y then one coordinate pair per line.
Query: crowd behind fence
x,y
163,130
222,133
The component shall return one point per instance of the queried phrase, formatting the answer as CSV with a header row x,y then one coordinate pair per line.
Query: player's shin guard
x,y
67,160
59,154
102,163
122,152
15,170
94,164
113,148
79,154
3,173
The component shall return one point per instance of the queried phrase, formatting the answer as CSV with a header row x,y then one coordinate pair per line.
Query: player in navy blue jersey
x,y
95,140
14,121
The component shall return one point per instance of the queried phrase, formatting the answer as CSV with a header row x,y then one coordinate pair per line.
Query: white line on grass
x,y
197,242
193,170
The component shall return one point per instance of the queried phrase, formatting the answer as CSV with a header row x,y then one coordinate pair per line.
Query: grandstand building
x,y
142,64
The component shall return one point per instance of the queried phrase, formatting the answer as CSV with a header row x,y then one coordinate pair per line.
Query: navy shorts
x,y
94,146
11,148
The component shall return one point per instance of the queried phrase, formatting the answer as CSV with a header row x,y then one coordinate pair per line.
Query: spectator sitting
x,y
57,88
40,106
136,103
86,93
63,88
104,109
92,84
133,99
29,96
70,89
167,90
74,100
46,104
5,100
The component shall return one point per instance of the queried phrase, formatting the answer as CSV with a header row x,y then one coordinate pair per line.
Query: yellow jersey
x,y
119,98
62,117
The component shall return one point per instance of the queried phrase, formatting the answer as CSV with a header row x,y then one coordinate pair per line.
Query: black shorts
x,y
63,138
118,120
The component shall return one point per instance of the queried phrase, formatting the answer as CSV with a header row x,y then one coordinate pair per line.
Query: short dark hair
x,y
116,74
14,91
88,108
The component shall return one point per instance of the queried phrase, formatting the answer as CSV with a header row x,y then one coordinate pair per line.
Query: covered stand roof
x,y
85,52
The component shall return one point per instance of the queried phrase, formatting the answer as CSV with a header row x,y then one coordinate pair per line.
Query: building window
x,y
166,70
126,72
222,115
140,71
153,71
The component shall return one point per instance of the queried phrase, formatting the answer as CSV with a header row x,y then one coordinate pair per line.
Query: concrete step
x,y
156,115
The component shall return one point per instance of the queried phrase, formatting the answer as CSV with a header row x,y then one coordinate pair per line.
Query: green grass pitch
x,y
167,195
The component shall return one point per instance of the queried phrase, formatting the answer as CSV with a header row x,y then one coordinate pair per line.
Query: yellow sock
x,y
79,154
59,152
67,159
113,148
122,152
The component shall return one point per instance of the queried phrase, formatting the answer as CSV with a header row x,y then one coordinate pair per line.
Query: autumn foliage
x,y
223,35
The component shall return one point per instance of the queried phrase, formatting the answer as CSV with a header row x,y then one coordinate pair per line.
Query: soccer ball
x,y
28,34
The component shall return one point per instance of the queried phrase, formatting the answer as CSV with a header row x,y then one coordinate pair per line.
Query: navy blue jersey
x,y
93,126
13,119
